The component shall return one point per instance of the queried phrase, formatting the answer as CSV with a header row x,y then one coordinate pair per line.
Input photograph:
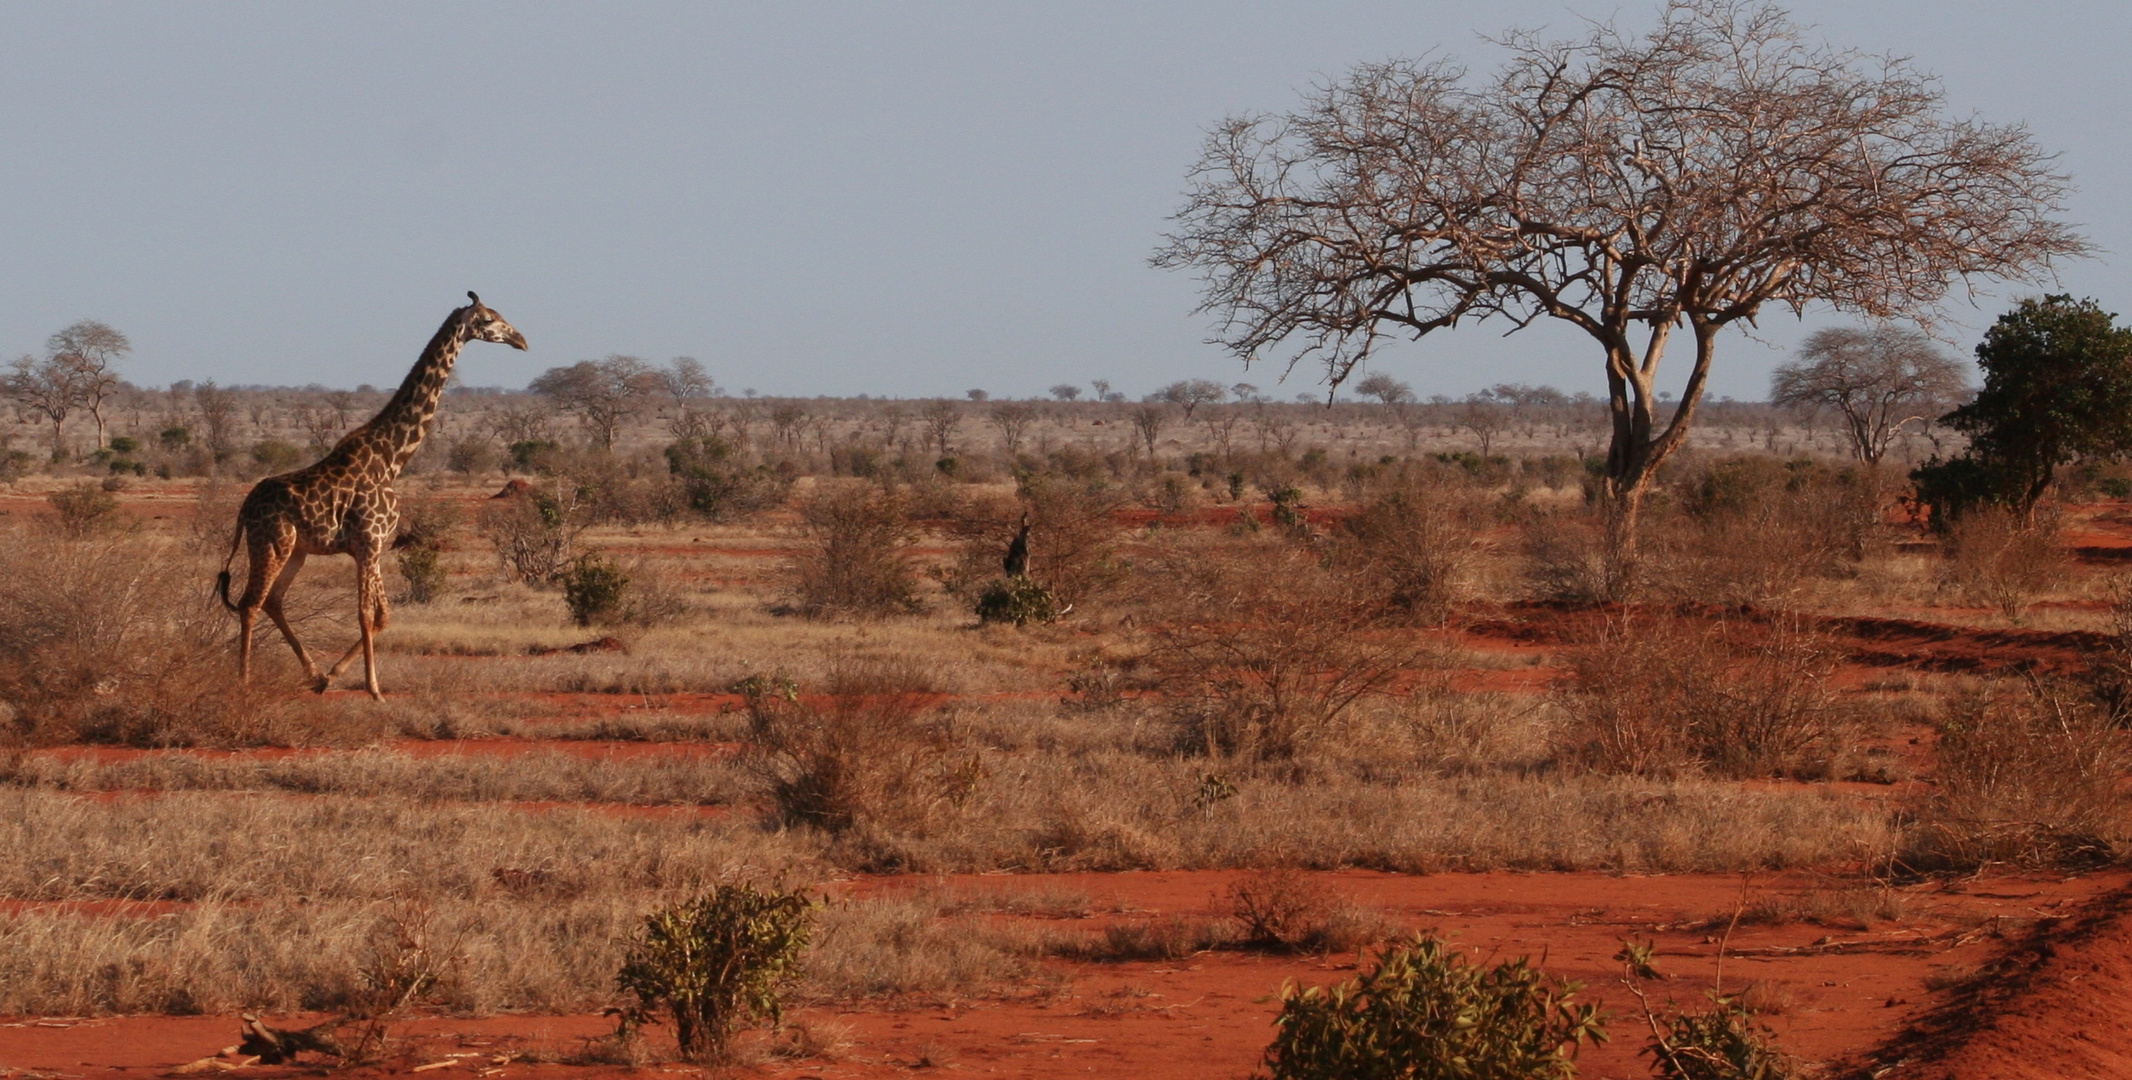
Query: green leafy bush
x,y
1423,1013
1018,600
424,574
1724,1043
716,963
596,590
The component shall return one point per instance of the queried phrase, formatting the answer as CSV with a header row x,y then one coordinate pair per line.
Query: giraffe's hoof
x,y
321,684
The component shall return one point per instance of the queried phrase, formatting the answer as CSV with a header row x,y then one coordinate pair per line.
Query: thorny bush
x,y
2028,774
869,754
1663,697
1260,650
854,557
715,963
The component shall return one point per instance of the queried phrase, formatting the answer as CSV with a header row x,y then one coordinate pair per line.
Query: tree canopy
x,y
1879,379
2057,388
1630,185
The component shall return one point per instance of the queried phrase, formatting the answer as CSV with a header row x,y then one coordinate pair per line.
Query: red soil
x,y
1840,990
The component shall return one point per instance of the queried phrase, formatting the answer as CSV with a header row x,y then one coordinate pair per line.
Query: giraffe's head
x,y
483,324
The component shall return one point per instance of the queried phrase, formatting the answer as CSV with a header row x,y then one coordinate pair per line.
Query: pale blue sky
x,y
812,198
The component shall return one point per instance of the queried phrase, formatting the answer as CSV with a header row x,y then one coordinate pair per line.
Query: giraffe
x,y
344,504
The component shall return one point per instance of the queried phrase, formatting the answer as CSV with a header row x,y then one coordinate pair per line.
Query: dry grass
x,y
538,776
1660,696
1248,704
2028,775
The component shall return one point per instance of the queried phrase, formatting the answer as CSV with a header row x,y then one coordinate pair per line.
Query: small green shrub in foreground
x,y
715,963
1425,1013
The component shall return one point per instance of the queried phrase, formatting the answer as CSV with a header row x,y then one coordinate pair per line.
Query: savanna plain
x,y
1264,698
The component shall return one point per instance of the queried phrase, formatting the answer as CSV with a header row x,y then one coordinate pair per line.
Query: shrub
x,y
276,456
470,456
2026,775
719,488
1751,529
1665,698
854,559
1568,559
1725,1042
1998,561
595,590
1017,600
1073,533
83,510
424,570
535,533
715,963
1410,547
1424,1012
865,754
101,641
1289,910
1259,650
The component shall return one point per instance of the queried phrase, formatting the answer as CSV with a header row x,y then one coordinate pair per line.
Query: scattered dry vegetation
x,y
1271,664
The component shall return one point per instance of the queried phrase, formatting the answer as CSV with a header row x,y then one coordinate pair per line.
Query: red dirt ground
x,y
1838,990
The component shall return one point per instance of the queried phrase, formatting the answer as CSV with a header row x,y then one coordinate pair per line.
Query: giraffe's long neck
x,y
391,438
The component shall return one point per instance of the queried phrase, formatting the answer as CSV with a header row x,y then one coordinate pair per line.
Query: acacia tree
x,y
1880,380
1190,394
603,393
44,389
92,351
1628,185
1012,418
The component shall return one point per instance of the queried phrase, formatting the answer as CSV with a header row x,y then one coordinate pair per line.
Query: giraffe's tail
x,y
222,579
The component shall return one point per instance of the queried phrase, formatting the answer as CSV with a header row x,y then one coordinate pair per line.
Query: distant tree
x,y
1148,420
687,385
941,417
1687,179
1483,416
1065,391
1387,390
1012,418
1190,394
1246,392
603,394
93,351
1879,379
2057,388
975,394
218,418
45,389
1102,387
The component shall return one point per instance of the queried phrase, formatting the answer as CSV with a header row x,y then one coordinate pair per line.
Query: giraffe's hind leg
x,y
275,596
266,563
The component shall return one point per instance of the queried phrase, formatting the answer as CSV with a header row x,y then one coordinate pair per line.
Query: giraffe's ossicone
x,y
344,504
